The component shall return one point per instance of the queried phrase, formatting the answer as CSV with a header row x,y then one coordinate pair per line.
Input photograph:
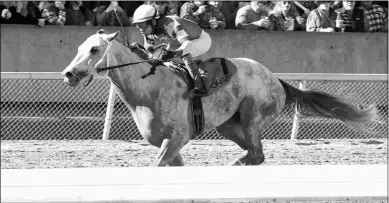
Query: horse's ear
x,y
112,36
101,31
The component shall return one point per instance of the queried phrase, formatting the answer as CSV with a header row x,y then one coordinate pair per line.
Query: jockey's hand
x,y
41,22
179,52
287,24
59,5
262,23
300,20
157,62
112,7
202,9
166,55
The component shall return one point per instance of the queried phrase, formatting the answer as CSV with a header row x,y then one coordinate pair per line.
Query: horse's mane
x,y
137,49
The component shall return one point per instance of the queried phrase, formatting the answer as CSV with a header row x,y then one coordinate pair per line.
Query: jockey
x,y
182,36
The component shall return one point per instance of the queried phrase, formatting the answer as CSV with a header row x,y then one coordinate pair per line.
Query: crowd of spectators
x,y
309,16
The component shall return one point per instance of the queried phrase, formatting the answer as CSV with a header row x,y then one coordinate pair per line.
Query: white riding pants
x,y
199,46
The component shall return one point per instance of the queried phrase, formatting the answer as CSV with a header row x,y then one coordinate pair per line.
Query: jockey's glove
x,y
156,62
166,55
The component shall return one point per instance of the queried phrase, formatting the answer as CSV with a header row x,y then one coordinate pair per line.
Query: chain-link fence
x,y
42,109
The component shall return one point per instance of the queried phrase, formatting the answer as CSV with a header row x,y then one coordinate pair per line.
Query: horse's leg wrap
x,y
241,160
199,89
162,152
169,151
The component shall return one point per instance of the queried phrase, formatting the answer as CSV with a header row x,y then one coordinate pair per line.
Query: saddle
x,y
215,72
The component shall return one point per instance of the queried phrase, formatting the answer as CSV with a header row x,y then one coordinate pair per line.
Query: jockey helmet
x,y
144,13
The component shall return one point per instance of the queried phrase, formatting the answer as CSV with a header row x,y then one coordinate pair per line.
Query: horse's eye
x,y
94,50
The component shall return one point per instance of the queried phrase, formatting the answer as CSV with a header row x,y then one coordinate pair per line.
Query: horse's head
x,y
91,55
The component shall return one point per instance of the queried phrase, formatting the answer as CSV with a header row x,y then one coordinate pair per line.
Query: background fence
x,y
40,106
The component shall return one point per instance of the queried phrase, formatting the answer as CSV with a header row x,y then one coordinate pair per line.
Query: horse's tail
x,y
316,103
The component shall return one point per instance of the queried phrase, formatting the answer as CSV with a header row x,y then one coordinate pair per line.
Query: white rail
x,y
284,76
38,75
302,77
196,184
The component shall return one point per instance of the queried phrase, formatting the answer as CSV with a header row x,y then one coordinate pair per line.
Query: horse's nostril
x,y
69,74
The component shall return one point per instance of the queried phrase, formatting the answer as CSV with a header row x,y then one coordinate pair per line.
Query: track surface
x,y
114,153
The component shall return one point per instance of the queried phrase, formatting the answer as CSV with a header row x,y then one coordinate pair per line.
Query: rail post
x,y
110,108
296,119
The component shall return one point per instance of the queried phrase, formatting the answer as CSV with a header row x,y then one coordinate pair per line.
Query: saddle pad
x,y
216,73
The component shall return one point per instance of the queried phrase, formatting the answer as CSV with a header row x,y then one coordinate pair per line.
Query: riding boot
x,y
199,89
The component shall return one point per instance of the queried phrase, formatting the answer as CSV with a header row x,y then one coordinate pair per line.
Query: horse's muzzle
x,y
70,79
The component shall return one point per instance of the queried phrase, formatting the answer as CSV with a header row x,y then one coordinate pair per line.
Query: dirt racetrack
x,y
115,153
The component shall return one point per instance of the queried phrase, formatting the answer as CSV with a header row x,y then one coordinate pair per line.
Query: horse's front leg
x,y
177,161
169,151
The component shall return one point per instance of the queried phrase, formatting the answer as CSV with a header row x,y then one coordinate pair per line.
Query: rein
x,y
122,65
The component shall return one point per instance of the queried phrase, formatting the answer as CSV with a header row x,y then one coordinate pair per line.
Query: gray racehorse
x,y
240,111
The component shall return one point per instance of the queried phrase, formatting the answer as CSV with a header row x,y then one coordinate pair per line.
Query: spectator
x,y
165,8
383,4
192,10
54,13
305,7
11,12
285,17
229,10
6,14
173,8
90,5
352,17
129,7
75,16
253,16
161,6
336,4
33,13
321,19
89,8
269,5
217,20
204,14
100,8
243,3
375,17
109,18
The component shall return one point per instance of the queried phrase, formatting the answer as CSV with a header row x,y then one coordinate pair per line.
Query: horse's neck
x,y
130,86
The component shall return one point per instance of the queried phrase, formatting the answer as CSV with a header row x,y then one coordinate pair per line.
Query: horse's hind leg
x,y
232,130
253,121
253,124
